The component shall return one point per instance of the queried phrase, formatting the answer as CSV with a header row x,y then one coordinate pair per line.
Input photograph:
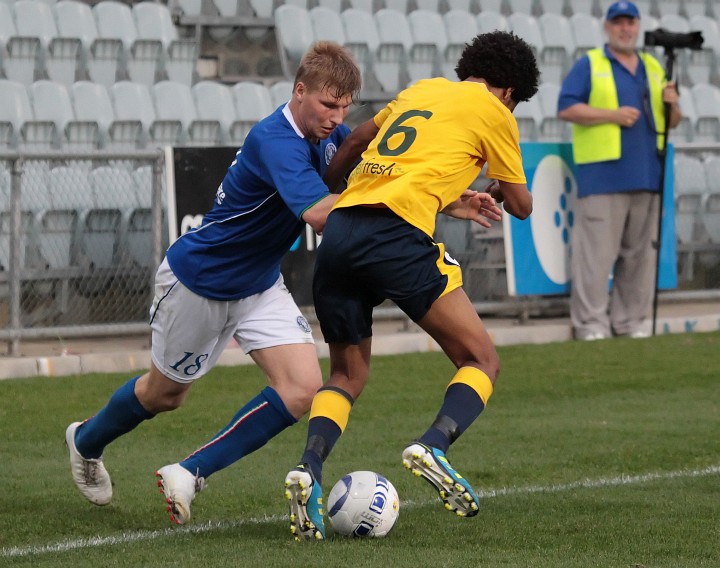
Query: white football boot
x,y
179,487
89,475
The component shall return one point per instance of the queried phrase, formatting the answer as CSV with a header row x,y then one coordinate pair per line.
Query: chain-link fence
x,y
80,238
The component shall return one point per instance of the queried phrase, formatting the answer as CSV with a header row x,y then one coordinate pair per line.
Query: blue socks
x,y
261,419
462,405
122,414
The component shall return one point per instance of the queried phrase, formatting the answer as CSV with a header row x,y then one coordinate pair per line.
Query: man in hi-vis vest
x,y
614,97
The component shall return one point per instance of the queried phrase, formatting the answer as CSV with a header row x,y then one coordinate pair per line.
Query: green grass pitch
x,y
602,454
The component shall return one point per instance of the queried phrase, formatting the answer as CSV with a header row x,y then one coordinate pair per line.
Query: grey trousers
x,y
614,234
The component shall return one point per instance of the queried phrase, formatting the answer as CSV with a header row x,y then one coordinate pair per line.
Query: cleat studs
x,y
460,513
448,506
460,488
417,472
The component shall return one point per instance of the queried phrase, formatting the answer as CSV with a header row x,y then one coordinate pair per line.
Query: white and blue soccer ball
x,y
363,504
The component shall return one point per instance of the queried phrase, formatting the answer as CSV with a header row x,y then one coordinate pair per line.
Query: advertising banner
x,y
537,250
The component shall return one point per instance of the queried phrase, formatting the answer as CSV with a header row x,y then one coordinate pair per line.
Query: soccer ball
x,y
363,504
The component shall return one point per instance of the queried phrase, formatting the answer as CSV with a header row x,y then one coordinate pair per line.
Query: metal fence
x,y
80,238
82,234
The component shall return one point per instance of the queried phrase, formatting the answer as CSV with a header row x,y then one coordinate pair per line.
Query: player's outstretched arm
x,y
348,153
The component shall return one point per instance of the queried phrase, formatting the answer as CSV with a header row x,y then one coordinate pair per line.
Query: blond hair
x,y
328,65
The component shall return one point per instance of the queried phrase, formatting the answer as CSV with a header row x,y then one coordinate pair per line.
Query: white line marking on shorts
x,y
210,526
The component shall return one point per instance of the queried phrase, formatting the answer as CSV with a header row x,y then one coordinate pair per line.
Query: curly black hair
x,y
503,60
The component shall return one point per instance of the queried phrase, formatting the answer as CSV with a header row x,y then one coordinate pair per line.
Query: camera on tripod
x,y
670,40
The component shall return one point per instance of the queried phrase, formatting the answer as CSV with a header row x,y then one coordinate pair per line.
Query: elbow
x,y
523,213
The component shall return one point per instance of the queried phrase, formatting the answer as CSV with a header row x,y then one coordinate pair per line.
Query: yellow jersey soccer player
x,y
425,148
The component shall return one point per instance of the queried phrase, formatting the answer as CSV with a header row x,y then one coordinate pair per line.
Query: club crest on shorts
x,y
330,150
303,324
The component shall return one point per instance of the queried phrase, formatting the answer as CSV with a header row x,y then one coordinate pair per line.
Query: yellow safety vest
x,y
601,142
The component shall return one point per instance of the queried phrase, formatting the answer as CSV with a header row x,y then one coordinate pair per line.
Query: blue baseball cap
x,y
622,9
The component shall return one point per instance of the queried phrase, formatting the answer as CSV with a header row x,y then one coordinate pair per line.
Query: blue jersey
x,y
256,217
639,165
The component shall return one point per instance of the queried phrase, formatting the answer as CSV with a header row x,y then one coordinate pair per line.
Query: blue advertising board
x,y
537,250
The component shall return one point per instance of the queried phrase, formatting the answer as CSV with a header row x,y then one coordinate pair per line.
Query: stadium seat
x,y
390,65
19,53
552,129
526,7
668,7
361,38
707,108
559,7
558,47
99,57
174,101
91,102
57,55
427,57
583,7
280,92
587,33
188,7
108,222
489,21
327,25
294,32
690,190
214,101
18,127
529,117
59,232
178,56
51,101
252,104
132,102
498,6
460,29
140,227
140,58
527,28
336,5
702,65
430,5
463,5
397,5
32,205
364,5
683,132
711,204
697,8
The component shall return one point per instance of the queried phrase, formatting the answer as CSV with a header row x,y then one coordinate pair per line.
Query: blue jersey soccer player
x,y
222,280
429,144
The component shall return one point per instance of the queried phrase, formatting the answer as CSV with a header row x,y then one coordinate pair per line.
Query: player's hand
x,y
626,116
475,206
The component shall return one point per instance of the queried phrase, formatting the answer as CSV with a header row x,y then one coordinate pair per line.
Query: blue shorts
x,y
368,255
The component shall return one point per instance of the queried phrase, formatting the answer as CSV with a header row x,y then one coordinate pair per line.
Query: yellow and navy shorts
x,y
368,255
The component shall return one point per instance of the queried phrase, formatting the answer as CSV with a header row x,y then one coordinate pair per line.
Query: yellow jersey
x,y
433,141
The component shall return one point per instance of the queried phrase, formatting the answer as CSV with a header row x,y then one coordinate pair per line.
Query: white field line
x,y
210,526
